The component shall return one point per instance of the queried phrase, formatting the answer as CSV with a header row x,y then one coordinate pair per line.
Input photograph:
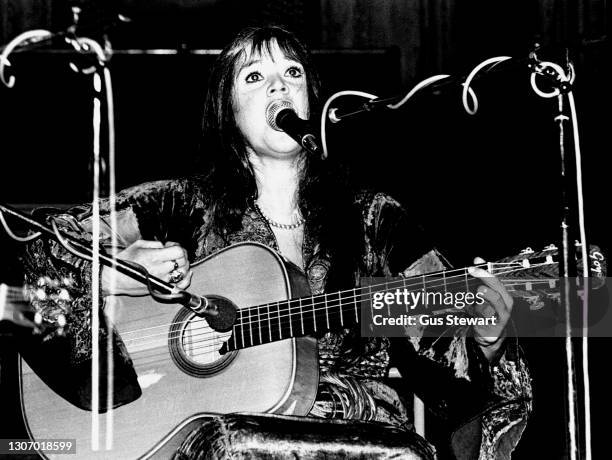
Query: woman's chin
x,y
285,149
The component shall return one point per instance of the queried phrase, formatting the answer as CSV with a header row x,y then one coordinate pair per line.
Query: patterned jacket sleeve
x,y
484,406
148,211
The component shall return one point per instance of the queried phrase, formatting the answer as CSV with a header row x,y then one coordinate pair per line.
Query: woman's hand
x,y
498,305
164,261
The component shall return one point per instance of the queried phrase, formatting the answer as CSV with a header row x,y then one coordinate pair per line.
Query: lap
x,y
251,436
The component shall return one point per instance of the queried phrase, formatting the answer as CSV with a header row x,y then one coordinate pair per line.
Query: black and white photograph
x,y
304,229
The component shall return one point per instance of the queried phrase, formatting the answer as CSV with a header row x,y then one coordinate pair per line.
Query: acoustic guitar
x,y
267,362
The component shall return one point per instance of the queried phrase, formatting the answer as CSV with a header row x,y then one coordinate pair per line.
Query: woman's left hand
x,y
498,304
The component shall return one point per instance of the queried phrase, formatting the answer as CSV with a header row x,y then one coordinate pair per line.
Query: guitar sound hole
x,y
194,345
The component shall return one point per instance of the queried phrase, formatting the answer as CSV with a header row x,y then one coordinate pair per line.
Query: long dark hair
x,y
324,198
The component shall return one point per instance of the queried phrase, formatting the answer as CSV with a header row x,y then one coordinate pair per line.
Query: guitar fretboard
x,y
308,315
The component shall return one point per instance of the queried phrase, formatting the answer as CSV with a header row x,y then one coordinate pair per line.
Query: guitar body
x,y
181,373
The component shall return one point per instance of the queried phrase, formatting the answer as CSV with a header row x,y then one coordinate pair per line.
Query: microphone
x,y
219,311
281,116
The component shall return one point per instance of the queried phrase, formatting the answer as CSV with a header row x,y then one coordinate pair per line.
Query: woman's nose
x,y
277,83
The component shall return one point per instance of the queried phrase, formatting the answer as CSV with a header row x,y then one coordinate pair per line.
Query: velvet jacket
x,y
484,405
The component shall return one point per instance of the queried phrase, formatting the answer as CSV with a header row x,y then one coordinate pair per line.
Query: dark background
x,y
483,185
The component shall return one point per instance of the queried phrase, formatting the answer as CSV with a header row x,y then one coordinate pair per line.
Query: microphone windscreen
x,y
273,110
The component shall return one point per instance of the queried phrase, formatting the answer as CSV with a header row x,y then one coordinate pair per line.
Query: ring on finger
x,y
176,276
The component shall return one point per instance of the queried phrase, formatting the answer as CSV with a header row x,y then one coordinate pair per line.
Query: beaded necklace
x,y
273,223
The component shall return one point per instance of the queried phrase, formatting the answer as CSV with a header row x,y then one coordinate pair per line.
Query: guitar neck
x,y
308,315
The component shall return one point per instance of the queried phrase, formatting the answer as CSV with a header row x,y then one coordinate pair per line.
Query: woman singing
x,y
261,186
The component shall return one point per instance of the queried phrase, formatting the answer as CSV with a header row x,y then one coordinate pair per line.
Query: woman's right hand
x,y
160,260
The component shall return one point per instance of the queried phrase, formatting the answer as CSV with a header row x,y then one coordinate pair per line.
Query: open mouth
x,y
274,108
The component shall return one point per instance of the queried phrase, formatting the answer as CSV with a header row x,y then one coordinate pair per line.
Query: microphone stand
x,y
219,312
561,81
101,83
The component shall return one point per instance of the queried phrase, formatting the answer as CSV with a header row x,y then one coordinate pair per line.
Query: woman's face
x,y
260,80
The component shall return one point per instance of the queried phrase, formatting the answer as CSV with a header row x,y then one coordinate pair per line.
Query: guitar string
x,y
164,354
200,350
219,338
266,319
441,277
19,291
268,336
387,285
427,275
262,319
274,319
259,307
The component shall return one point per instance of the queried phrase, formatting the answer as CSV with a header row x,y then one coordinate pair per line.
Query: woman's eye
x,y
253,77
295,72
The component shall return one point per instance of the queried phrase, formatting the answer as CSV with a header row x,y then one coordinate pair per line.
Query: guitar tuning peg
x,y
527,250
525,263
551,247
577,243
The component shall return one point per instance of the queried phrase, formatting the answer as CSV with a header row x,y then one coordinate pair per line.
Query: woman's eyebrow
x,y
249,63
253,61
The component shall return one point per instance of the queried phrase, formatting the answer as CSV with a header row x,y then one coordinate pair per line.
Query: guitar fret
x,y
335,301
290,316
280,326
388,305
301,316
370,297
314,316
340,307
241,327
251,328
355,298
259,323
269,323
326,310
405,287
